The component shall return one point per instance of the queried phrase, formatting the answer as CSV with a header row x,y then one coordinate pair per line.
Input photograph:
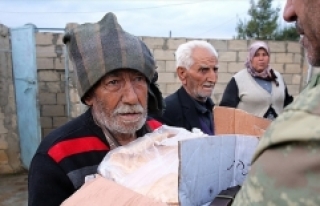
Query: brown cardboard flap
x,y
103,192
235,121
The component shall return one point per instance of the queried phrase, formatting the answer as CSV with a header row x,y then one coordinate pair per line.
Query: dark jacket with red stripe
x,y
66,156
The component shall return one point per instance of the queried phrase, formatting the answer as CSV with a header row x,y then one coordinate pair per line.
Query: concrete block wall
x,y
51,80
9,139
59,101
286,57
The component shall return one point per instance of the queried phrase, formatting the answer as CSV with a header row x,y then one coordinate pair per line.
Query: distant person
x,y
191,105
258,89
286,165
115,71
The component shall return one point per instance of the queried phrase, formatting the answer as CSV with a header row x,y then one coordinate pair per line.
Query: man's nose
x,y
289,14
129,95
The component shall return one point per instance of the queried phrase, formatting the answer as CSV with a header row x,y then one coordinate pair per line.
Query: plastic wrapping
x,y
150,164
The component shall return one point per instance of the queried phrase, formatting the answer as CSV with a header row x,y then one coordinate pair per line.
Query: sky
x,y
158,18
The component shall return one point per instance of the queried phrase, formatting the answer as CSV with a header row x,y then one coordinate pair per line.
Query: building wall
x,y
60,102
9,139
286,57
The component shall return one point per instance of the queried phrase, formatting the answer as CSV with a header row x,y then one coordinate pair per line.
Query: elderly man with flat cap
x,y
115,72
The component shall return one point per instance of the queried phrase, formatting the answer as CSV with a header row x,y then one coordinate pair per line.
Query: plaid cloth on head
x,y
97,49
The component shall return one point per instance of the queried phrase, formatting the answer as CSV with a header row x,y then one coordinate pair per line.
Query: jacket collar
x,y
188,107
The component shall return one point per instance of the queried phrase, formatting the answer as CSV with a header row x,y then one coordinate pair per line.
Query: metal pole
x,y
66,71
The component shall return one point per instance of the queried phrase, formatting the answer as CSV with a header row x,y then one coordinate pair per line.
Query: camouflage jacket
x,y
286,166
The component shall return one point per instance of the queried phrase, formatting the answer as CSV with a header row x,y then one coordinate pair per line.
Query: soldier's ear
x,y
182,74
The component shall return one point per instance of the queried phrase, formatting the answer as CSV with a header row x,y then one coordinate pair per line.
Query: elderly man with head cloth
x,y
115,72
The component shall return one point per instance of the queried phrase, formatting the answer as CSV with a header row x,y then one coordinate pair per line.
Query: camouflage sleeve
x,y
283,175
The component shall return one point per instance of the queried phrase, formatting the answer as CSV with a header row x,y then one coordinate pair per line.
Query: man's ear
x,y
89,100
182,74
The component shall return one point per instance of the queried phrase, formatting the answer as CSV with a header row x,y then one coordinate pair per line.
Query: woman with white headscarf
x,y
258,89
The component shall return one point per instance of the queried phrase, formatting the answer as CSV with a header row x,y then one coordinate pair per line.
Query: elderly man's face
x,y
200,79
120,101
306,13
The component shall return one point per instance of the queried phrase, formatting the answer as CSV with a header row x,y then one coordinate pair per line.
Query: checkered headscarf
x,y
100,48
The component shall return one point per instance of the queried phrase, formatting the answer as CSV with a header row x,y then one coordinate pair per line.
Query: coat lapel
x,y
188,109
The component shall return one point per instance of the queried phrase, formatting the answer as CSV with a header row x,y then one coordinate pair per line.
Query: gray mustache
x,y
122,109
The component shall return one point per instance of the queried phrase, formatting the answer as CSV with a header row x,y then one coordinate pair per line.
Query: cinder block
x,y
59,39
224,77
154,42
293,89
172,87
59,63
42,86
278,67
272,58
160,54
166,77
48,76
56,87
53,111
220,45
277,46
293,69
242,56
238,45
46,122
59,121
44,38
46,51
3,130
296,79
45,132
287,78
45,63
216,98
284,57
161,65
234,67
73,95
3,157
298,58
171,66
4,31
6,169
294,47
173,43
61,98
47,98
219,88
227,56
223,67
3,143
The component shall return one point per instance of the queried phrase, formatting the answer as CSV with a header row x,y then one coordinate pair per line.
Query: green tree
x,y
263,23
287,33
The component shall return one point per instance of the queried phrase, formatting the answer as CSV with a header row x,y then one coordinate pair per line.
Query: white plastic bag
x,y
150,164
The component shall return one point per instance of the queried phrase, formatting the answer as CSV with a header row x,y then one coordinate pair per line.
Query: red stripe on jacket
x,y
75,146
85,144
154,124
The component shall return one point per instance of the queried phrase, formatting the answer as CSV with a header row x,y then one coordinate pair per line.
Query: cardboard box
x,y
235,121
207,165
103,192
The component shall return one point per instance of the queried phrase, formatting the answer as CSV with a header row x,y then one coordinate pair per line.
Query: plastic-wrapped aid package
x,y
149,165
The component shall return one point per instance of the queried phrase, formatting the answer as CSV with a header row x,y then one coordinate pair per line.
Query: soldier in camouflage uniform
x,y
286,165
